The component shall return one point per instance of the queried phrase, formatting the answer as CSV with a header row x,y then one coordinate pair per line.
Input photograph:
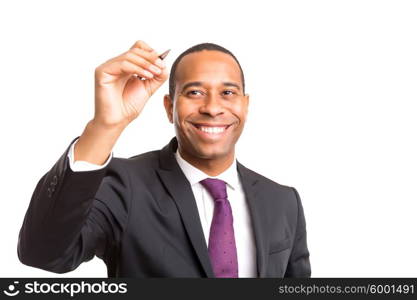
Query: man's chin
x,y
210,152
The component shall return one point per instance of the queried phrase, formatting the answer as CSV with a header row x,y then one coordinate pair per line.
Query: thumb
x,y
157,81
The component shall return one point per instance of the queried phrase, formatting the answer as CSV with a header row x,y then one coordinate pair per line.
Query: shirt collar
x,y
195,175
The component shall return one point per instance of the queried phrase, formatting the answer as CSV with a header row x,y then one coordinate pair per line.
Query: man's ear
x,y
247,102
169,105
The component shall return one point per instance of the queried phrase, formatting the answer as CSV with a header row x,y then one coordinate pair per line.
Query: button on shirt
x,y
242,226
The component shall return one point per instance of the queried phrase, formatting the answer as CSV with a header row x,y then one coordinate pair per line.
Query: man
x,y
188,210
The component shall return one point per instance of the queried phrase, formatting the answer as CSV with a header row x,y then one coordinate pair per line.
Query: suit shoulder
x,y
143,161
149,157
269,182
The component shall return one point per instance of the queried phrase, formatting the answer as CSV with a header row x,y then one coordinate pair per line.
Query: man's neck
x,y
211,167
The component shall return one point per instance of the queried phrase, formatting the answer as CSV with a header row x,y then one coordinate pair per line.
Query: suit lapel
x,y
180,190
258,213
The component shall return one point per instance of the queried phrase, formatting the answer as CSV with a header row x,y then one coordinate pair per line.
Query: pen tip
x,y
163,55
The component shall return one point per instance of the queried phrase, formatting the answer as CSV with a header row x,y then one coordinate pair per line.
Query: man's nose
x,y
212,105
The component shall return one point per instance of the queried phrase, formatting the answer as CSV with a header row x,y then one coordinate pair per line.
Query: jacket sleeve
x,y
299,262
73,216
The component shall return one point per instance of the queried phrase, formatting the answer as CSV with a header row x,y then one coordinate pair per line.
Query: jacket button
x,y
54,180
50,192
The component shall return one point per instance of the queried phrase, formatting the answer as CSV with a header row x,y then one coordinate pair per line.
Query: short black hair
x,y
197,48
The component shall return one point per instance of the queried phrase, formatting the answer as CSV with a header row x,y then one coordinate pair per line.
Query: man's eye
x,y
228,92
194,93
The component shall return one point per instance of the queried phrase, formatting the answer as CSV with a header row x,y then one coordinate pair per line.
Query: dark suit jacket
x,y
140,217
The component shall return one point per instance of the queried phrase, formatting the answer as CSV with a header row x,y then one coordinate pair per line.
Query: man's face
x,y
209,107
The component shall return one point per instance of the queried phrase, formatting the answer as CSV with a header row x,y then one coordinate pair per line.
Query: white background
x,y
332,112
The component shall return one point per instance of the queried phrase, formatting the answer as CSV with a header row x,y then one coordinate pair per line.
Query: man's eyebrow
x,y
192,83
232,84
199,83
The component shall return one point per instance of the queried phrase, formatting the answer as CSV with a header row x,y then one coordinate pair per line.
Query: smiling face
x,y
209,108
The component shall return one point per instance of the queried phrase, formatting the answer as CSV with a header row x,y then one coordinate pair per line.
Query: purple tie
x,y
222,245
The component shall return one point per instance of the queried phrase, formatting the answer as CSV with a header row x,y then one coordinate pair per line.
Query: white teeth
x,y
212,129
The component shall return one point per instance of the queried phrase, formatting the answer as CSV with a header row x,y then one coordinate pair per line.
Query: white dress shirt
x,y
246,251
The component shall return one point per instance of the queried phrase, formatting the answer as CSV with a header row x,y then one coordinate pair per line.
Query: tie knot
x,y
216,188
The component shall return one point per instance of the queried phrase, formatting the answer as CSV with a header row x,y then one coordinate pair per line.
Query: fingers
x,y
145,49
128,67
143,63
151,57
140,60
141,45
